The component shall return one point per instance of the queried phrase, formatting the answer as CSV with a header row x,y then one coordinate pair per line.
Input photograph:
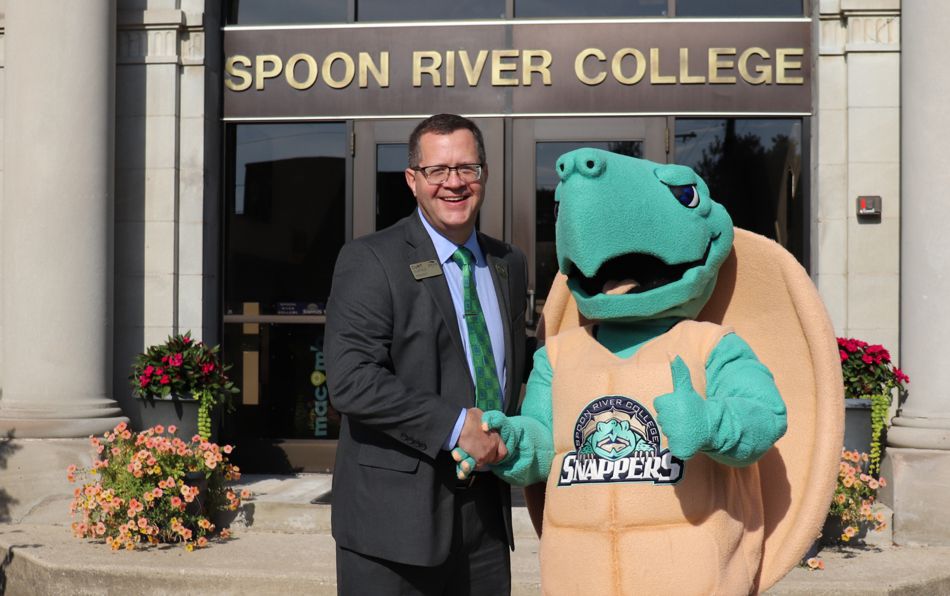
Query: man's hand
x,y
484,448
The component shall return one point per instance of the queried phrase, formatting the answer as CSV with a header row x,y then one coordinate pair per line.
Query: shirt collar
x,y
444,247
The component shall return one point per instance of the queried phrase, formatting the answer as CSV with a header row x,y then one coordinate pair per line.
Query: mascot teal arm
x,y
739,421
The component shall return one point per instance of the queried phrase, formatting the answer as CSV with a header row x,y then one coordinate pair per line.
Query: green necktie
x,y
487,390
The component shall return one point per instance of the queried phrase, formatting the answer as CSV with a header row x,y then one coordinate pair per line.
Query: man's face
x,y
450,207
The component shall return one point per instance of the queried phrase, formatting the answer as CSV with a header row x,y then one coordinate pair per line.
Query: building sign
x,y
519,69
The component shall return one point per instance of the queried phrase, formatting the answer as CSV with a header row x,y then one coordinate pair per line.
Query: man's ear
x,y
411,179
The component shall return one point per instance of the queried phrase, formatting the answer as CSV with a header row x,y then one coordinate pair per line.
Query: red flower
x,y
149,370
843,354
867,359
143,381
186,339
207,368
175,360
165,359
164,380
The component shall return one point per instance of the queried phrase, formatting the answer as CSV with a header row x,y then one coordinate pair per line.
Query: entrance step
x,y
300,504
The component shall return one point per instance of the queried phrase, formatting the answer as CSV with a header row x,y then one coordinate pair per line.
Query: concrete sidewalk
x,y
282,546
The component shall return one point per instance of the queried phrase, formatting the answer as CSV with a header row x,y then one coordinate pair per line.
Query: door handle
x,y
529,316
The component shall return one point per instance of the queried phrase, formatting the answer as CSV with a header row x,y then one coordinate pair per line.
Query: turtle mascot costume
x,y
682,426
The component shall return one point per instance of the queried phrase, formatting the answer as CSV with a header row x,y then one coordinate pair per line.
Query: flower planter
x,y
834,527
857,425
199,480
178,410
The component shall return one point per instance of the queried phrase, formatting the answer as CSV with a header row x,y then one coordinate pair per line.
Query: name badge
x,y
425,269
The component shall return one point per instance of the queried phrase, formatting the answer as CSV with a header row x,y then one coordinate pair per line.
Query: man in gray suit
x,y
401,371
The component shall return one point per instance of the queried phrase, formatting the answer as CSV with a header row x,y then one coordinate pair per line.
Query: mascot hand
x,y
465,463
682,414
511,432
530,448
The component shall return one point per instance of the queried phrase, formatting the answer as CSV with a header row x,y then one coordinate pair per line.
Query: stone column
x,y
919,439
58,219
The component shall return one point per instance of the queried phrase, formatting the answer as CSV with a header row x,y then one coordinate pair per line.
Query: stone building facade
x,y
112,232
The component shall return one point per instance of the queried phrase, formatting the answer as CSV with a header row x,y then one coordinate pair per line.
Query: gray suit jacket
x,y
397,373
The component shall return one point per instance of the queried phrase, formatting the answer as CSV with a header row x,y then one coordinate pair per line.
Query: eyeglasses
x,y
469,172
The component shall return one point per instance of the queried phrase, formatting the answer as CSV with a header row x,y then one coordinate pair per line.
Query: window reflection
x,y
394,200
526,9
428,10
753,168
546,180
285,12
286,214
290,368
739,8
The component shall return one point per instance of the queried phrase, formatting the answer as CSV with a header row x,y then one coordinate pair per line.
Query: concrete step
x,y
301,505
282,546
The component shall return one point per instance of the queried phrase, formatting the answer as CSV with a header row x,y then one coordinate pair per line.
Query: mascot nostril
x,y
590,165
564,167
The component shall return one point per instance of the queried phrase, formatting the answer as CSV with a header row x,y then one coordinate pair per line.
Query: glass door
x,y
380,194
536,145
285,221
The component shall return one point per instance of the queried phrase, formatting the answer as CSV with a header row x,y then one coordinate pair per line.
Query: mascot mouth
x,y
634,273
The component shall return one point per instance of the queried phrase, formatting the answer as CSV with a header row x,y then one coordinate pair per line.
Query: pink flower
x,y
901,376
172,428
164,380
175,360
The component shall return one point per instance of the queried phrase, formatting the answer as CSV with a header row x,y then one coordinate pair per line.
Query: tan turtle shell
x,y
768,298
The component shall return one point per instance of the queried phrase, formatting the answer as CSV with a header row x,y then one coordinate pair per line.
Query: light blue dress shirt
x,y
485,286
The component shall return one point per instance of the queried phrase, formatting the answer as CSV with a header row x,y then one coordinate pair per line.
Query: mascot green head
x,y
637,240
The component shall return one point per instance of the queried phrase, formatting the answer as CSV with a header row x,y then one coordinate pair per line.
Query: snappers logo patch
x,y
616,439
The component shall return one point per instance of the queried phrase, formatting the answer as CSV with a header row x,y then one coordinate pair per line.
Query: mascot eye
x,y
686,195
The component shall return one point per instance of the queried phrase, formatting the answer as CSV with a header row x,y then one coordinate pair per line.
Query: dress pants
x,y
479,563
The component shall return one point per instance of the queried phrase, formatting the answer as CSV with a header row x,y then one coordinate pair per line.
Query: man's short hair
x,y
443,124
